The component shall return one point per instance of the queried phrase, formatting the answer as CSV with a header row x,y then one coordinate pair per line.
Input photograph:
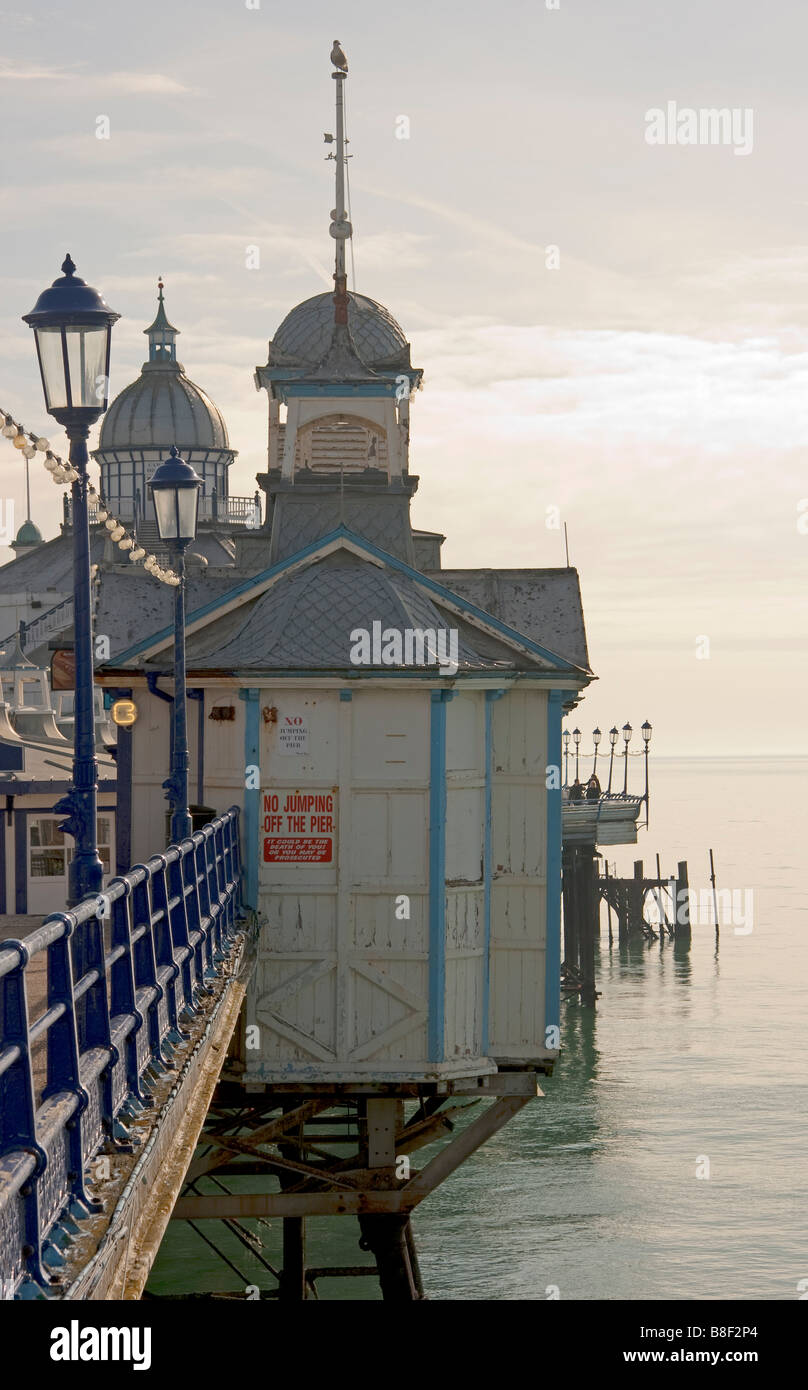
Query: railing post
x,y
180,950
123,995
63,1067
168,971
194,917
170,922
214,873
148,989
206,903
17,1109
236,843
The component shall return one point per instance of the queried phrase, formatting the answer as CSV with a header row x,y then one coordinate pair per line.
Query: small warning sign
x,y
299,827
298,849
293,735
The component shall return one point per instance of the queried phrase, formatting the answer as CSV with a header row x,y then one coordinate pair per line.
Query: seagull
x,y
338,57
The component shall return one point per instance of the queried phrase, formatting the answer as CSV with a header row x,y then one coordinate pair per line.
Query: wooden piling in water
x,y
715,896
636,899
581,898
681,916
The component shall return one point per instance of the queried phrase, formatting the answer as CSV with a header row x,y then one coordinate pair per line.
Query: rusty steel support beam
x,y
229,1144
459,1149
369,1201
240,1204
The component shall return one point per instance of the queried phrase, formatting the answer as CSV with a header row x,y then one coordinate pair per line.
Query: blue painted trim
x,y
3,908
552,955
340,389
490,697
123,801
315,547
436,1015
345,695
252,796
21,860
199,695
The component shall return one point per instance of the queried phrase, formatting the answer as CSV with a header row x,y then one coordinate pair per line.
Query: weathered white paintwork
x,y
345,984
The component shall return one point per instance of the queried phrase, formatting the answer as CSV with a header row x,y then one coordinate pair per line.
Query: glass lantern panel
x,y
87,359
49,345
165,507
188,505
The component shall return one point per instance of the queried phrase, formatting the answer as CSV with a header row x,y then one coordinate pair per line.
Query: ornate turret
x,y
162,334
162,407
29,536
340,365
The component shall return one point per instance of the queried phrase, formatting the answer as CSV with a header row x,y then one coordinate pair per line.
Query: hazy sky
x,y
652,387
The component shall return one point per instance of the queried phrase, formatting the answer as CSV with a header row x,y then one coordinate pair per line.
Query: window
x,y
47,848
49,855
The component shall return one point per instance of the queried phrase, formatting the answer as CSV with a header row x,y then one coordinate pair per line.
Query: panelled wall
x,y
395,839
519,875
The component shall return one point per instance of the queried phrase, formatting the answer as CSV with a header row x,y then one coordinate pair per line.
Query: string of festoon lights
x,y
62,473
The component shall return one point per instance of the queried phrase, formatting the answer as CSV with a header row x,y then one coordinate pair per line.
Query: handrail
x,y
232,509
31,634
124,970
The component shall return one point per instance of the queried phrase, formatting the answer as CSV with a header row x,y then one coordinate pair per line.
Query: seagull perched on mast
x,y
338,57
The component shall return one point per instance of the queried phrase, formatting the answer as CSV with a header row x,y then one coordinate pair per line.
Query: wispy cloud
x,y
131,83
147,83
12,70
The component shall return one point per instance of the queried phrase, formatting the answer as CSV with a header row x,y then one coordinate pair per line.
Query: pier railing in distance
x,y
125,972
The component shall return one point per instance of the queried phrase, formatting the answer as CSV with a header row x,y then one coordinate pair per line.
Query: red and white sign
x,y
299,826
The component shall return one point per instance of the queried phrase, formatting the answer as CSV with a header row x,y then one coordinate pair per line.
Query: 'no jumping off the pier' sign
x,y
299,827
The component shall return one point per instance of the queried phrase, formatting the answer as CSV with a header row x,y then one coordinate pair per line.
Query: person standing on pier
x,y
593,791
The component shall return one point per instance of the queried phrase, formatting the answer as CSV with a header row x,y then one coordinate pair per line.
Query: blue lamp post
x,y
614,735
73,330
175,490
596,737
627,732
646,730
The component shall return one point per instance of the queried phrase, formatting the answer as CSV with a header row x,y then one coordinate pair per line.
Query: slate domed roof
x,y
307,619
305,335
28,534
163,407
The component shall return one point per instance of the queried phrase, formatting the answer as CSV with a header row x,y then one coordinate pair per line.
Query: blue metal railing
x,y
123,971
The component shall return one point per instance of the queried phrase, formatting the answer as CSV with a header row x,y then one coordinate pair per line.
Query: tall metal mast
x,y
340,228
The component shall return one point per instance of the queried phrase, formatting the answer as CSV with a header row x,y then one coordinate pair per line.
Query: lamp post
x,y
613,737
576,738
175,490
596,737
646,730
627,732
73,330
566,757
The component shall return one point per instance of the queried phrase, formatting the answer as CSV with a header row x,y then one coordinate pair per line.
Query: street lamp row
x,y
72,327
614,737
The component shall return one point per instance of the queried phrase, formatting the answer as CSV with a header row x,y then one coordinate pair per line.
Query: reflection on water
x,y
593,1190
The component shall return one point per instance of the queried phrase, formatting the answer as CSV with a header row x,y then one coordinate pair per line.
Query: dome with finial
x,y
163,406
303,339
28,534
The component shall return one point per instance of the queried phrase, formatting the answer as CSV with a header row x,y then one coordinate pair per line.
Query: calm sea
x,y
695,1063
